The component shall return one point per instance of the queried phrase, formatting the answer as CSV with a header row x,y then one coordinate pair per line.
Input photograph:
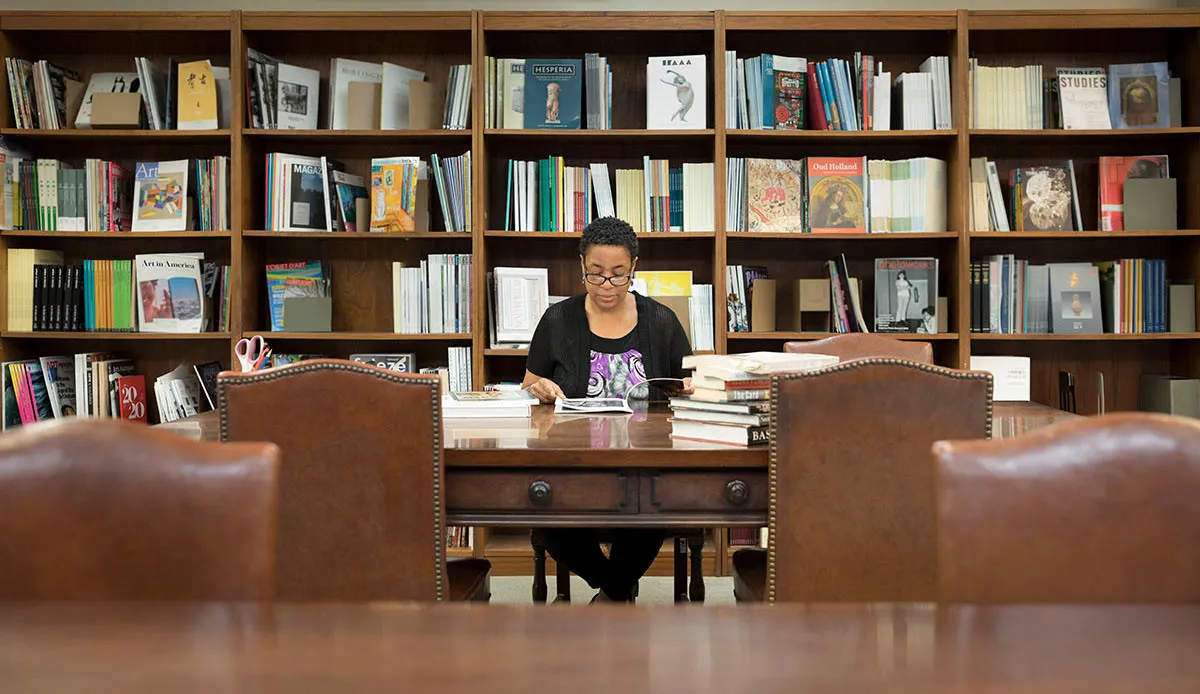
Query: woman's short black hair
x,y
609,231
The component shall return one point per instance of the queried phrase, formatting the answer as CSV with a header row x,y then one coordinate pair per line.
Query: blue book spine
x,y
768,91
827,96
676,177
508,198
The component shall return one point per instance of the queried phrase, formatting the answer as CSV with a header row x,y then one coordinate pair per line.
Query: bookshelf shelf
x,y
843,135
362,336
762,236
121,235
1115,134
125,136
549,235
359,235
501,352
782,335
1103,337
1083,234
459,552
359,136
141,337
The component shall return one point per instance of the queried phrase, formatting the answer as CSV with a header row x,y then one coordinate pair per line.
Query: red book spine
x,y
815,107
131,394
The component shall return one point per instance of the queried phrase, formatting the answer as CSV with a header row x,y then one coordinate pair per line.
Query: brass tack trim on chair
x,y
439,533
773,462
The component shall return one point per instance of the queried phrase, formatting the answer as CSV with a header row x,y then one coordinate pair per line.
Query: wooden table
x,y
856,649
609,470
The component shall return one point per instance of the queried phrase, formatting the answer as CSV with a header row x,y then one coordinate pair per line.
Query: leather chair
x,y
1097,510
848,346
852,513
105,510
361,511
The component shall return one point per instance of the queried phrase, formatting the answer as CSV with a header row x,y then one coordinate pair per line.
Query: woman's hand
x,y
545,390
687,386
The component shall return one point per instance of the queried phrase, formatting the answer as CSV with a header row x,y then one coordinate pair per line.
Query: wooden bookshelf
x,y
433,41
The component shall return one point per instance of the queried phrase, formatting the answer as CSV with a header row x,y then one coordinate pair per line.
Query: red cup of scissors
x,y
253,353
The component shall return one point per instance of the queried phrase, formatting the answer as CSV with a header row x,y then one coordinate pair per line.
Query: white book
x,y
513,117
603,188
882,103
299,90
160,196
169,293
1010,376
343,71
393,106
676,93
522,296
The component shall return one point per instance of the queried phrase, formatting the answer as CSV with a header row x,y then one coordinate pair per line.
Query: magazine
x,y
168,290
160,196
601,405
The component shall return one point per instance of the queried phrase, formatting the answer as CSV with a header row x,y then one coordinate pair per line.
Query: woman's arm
x,y
678,349
541,361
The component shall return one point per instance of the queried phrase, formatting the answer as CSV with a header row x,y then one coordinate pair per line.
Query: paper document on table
x,y
598,405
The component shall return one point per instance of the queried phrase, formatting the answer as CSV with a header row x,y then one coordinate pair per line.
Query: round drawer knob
x,y
737,493
540,493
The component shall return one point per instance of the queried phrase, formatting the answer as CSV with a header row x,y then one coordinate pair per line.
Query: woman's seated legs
x,y
633,551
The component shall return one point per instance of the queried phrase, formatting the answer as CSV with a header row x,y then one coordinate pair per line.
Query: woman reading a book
x,y
605,343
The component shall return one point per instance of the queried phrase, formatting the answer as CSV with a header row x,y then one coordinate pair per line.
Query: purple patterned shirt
x,y
616,366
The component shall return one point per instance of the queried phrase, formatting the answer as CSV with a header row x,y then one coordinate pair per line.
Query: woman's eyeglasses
x,y
595,278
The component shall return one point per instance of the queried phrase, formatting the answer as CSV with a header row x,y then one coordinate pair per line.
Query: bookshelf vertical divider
x,y
92,41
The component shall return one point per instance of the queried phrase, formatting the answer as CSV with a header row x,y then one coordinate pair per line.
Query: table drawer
x,y
683,491
470,490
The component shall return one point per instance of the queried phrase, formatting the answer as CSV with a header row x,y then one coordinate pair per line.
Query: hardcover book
x,y
676,93
836,199
906,291
394,193
787,94
553,93
106,83
299,90
1075,298
1047,198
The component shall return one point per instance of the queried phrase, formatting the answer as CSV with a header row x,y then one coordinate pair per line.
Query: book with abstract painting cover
x,y
160,196
775,195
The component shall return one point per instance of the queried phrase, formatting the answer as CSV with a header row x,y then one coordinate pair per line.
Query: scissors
x,y
253,354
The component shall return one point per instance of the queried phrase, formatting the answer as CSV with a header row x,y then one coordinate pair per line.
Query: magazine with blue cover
x,y
553,93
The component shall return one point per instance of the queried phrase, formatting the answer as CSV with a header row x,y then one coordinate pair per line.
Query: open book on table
x,y
599,405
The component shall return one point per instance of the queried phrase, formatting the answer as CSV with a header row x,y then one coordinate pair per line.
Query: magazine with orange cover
x,y
836,199
775,195
1113,172
394,193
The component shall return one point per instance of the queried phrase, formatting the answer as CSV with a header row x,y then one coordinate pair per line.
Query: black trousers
x,y
633,551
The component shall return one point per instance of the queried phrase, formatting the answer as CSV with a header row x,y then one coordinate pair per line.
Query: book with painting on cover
x,y
836,198
1139,95
1114,171
160,196
394,193
775,195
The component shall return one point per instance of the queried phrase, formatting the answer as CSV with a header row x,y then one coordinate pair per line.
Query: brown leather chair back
x,y
1096,510
110,510
852,489
361,512
848,346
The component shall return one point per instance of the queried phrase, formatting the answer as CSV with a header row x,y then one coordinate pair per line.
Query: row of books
x,y
1046,197
548,195
776,92
1134,95
835,195
457,375
362,96
174,293
551,93
434,297
1126,296
318,194
192,95
55,195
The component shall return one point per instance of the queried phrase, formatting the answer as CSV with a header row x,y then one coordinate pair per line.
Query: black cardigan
x,y
563,339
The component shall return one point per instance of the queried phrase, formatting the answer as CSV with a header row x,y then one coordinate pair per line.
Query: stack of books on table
x,y
731,402
490,404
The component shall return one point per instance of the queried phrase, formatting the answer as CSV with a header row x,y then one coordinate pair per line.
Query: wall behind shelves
x,y
597,5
